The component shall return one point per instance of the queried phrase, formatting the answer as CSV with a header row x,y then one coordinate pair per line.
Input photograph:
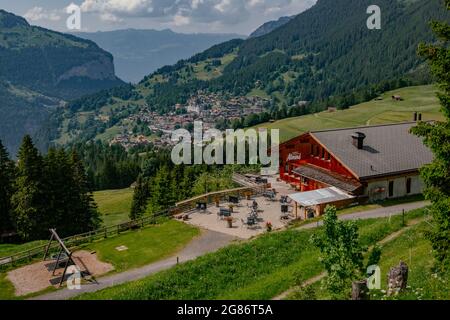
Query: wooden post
x,y
48,246
65,269
403,218
57,261
360,291
296,210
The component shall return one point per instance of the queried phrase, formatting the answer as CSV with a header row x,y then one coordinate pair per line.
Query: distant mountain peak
x,y
10,20
270,26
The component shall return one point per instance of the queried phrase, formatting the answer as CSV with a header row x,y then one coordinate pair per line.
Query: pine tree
x,y
58,177
140,198
85,216
437,137
29,201
161,192
6,190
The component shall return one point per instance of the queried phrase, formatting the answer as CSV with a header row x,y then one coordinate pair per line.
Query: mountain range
x,y
140,52
39,69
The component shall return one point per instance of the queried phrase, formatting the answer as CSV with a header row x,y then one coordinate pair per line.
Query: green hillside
x,y
415,99
40,68
323,56
258,269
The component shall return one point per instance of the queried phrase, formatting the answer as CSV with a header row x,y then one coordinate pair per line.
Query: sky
x,y
187,16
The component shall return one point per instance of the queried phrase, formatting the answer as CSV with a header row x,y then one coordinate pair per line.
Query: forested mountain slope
x,y
140,52
325,55
270,26
38,69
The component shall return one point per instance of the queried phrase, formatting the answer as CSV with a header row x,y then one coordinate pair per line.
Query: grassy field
x,y
412,248
420,99
114,205
145,245
10,249
259,269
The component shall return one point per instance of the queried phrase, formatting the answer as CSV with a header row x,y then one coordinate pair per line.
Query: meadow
x,y
415,99
424,283
144,246
258,269
114,205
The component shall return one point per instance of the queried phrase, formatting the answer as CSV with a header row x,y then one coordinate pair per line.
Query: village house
x,y
357,164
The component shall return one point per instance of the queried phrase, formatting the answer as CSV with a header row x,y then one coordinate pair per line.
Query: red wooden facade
x,y
306,150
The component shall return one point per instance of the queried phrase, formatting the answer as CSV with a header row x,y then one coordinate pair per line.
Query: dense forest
x,y
43,192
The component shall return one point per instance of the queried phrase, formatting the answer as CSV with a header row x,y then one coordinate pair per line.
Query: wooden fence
x,y
106,232
79,239
217,197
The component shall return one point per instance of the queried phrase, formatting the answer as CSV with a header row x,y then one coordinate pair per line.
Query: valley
x,y
355,205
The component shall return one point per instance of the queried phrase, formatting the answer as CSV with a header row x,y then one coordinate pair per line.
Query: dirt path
x,y
207,242
319,277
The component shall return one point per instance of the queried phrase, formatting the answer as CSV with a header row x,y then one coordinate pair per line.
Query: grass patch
x,y
145,245
420,98
412,248
7,291
258,269
114,205
10,249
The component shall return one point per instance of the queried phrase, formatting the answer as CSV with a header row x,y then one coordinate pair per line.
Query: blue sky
x,y
224,16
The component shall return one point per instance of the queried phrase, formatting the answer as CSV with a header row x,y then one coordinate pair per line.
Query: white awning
x,y
320,196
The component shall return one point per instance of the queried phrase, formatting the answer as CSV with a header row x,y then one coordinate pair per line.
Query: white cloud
x,y
39,13
195,12
179,20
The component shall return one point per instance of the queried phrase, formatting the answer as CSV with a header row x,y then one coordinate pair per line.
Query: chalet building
x,y
369,163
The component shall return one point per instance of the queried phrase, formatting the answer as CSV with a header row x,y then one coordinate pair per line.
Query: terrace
x,y
246,220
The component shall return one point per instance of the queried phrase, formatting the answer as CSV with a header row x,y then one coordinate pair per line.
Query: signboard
x,y
294,156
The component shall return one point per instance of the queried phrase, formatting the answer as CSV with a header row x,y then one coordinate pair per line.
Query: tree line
x,y
170,184
39,192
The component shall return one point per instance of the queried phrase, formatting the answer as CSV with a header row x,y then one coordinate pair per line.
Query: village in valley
x,y
208,108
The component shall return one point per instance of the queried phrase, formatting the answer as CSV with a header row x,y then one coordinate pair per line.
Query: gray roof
x,y
388,149
328,177
320,196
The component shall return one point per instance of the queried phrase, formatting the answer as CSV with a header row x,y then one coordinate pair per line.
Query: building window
x,y
391,189
408,185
